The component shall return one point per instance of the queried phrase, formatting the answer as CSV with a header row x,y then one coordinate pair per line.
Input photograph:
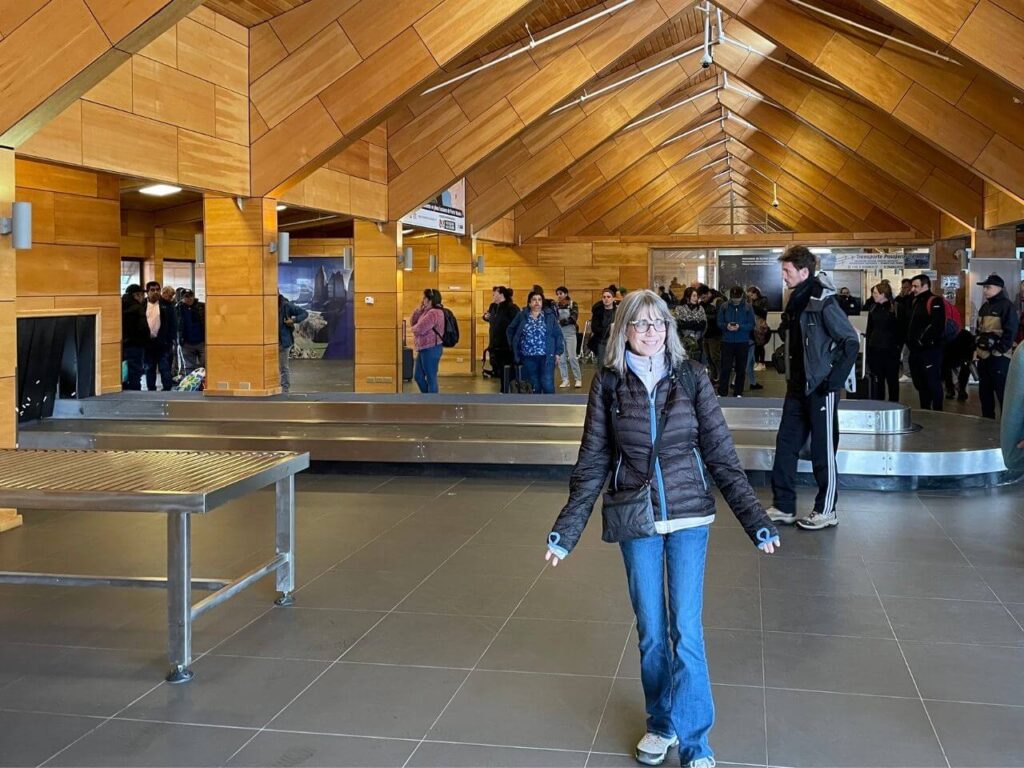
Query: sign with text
x,y
445,213
758,269
869,261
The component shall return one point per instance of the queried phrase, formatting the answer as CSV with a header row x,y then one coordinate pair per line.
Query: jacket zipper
x,y
615,477
657,464
700,468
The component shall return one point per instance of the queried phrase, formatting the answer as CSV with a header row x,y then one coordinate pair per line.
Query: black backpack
x,y
450,337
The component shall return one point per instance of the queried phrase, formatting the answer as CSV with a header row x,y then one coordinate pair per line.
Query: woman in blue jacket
x,y
736,319
537,343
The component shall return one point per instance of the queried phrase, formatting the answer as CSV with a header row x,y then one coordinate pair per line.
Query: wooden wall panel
x,y
378,349
75,259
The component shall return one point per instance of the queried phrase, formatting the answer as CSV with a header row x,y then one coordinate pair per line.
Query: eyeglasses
x,y
643,325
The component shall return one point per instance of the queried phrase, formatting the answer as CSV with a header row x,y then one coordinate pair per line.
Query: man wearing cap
x,y
134,336
996,330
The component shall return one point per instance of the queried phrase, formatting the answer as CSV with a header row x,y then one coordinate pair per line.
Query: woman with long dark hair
x,y
427,331
655,425
691,323
885,336
537,343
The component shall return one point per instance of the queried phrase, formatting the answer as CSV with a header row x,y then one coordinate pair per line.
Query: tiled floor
x,y
428,632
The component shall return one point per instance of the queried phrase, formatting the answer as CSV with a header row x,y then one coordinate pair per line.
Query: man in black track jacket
x,y
821,349
925,328
996,330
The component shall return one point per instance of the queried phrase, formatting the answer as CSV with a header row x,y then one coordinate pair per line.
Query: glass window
x,y
179,274
131,272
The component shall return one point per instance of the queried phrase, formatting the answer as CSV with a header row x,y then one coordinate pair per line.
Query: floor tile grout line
x,y
978,574
913,679
476,665
608,697
380,620
764,671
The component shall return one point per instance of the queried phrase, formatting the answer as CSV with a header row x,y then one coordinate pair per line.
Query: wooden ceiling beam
x,y
942,103
324,74
885,159
502,180
53,51
444,137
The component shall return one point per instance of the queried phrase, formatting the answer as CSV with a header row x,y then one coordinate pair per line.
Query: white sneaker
x,y
904,379
652,748
758,366
578,384
701,762
816,521
778,516
564,384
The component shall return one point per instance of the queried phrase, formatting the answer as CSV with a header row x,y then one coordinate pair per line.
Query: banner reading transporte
x,y
445,213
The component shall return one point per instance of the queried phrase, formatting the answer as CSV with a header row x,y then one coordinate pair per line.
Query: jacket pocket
x,y
700,468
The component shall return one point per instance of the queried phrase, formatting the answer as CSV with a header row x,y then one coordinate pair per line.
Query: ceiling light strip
x,y
868,29
529,46
587,96
723,38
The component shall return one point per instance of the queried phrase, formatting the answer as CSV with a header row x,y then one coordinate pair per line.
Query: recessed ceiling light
x,y
160,190
281,206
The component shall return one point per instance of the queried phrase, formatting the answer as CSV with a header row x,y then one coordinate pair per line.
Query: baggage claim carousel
x,y
882,445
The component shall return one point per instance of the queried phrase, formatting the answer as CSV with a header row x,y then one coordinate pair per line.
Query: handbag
x,y
629,514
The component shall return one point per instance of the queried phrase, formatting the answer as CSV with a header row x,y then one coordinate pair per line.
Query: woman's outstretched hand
x,y
552,558
769,547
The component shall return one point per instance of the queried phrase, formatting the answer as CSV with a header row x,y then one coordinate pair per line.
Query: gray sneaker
x,y
817,520
776,515
652,748
701,762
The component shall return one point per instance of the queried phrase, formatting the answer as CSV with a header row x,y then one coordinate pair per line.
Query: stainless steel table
x,y
176,483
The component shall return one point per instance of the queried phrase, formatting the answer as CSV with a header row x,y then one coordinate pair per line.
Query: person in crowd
x,y
427,323
601,319
168,294
712,300
759,337
846,302
537,343
736,319
821,348
691,322
162,333
996,330
134,336
192,331
653,416
904,303
500,315
568,320
957,357
663,295
549,304
884,344
925,327
288,316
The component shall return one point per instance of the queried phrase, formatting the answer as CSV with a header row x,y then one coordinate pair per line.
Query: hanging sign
x,y
951,282
445,213
869,261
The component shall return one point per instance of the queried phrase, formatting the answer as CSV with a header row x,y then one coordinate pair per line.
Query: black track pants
x,y
815,415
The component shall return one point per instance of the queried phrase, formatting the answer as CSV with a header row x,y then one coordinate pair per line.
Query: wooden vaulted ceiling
x,y
857,132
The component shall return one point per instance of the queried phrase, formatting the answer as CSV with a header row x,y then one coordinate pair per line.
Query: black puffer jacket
x,y
697,442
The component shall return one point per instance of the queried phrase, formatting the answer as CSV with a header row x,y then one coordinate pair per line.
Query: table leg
x,y
179,596
285,515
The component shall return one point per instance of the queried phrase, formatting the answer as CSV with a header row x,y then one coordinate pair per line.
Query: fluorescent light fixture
x,y
820,251
282,207
528,46
160,190
408,231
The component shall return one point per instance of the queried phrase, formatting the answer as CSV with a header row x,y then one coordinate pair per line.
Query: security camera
x,y
706,60
775,203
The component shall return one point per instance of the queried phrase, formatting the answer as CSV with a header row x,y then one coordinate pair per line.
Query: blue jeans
x,y
673,666
427,362
539,370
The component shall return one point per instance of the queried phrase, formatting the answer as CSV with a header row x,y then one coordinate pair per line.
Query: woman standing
x,y
499,317
568,319
601,319
537,343
761,334
885,344
691,322
427,329
654,417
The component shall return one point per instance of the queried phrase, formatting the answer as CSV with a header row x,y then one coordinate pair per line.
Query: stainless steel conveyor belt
x,y
176,483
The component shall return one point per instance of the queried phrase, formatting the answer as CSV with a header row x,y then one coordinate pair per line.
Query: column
x,y
378,282
455,281
241,296
9,518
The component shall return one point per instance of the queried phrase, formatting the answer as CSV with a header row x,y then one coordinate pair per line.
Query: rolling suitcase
x,y
513,383
408,365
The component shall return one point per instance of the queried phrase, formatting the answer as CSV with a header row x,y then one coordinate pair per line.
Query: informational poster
x,y
758,269
445,213
869,261
325,289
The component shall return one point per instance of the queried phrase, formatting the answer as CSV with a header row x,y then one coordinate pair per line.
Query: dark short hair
x,y
905,280
538,289
800,257
133,288
562,289
152,284
532,294
610,289
736,292
505,292
703,290
923,279
755,289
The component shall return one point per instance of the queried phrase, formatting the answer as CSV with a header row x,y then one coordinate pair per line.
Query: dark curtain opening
x,y
54,354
